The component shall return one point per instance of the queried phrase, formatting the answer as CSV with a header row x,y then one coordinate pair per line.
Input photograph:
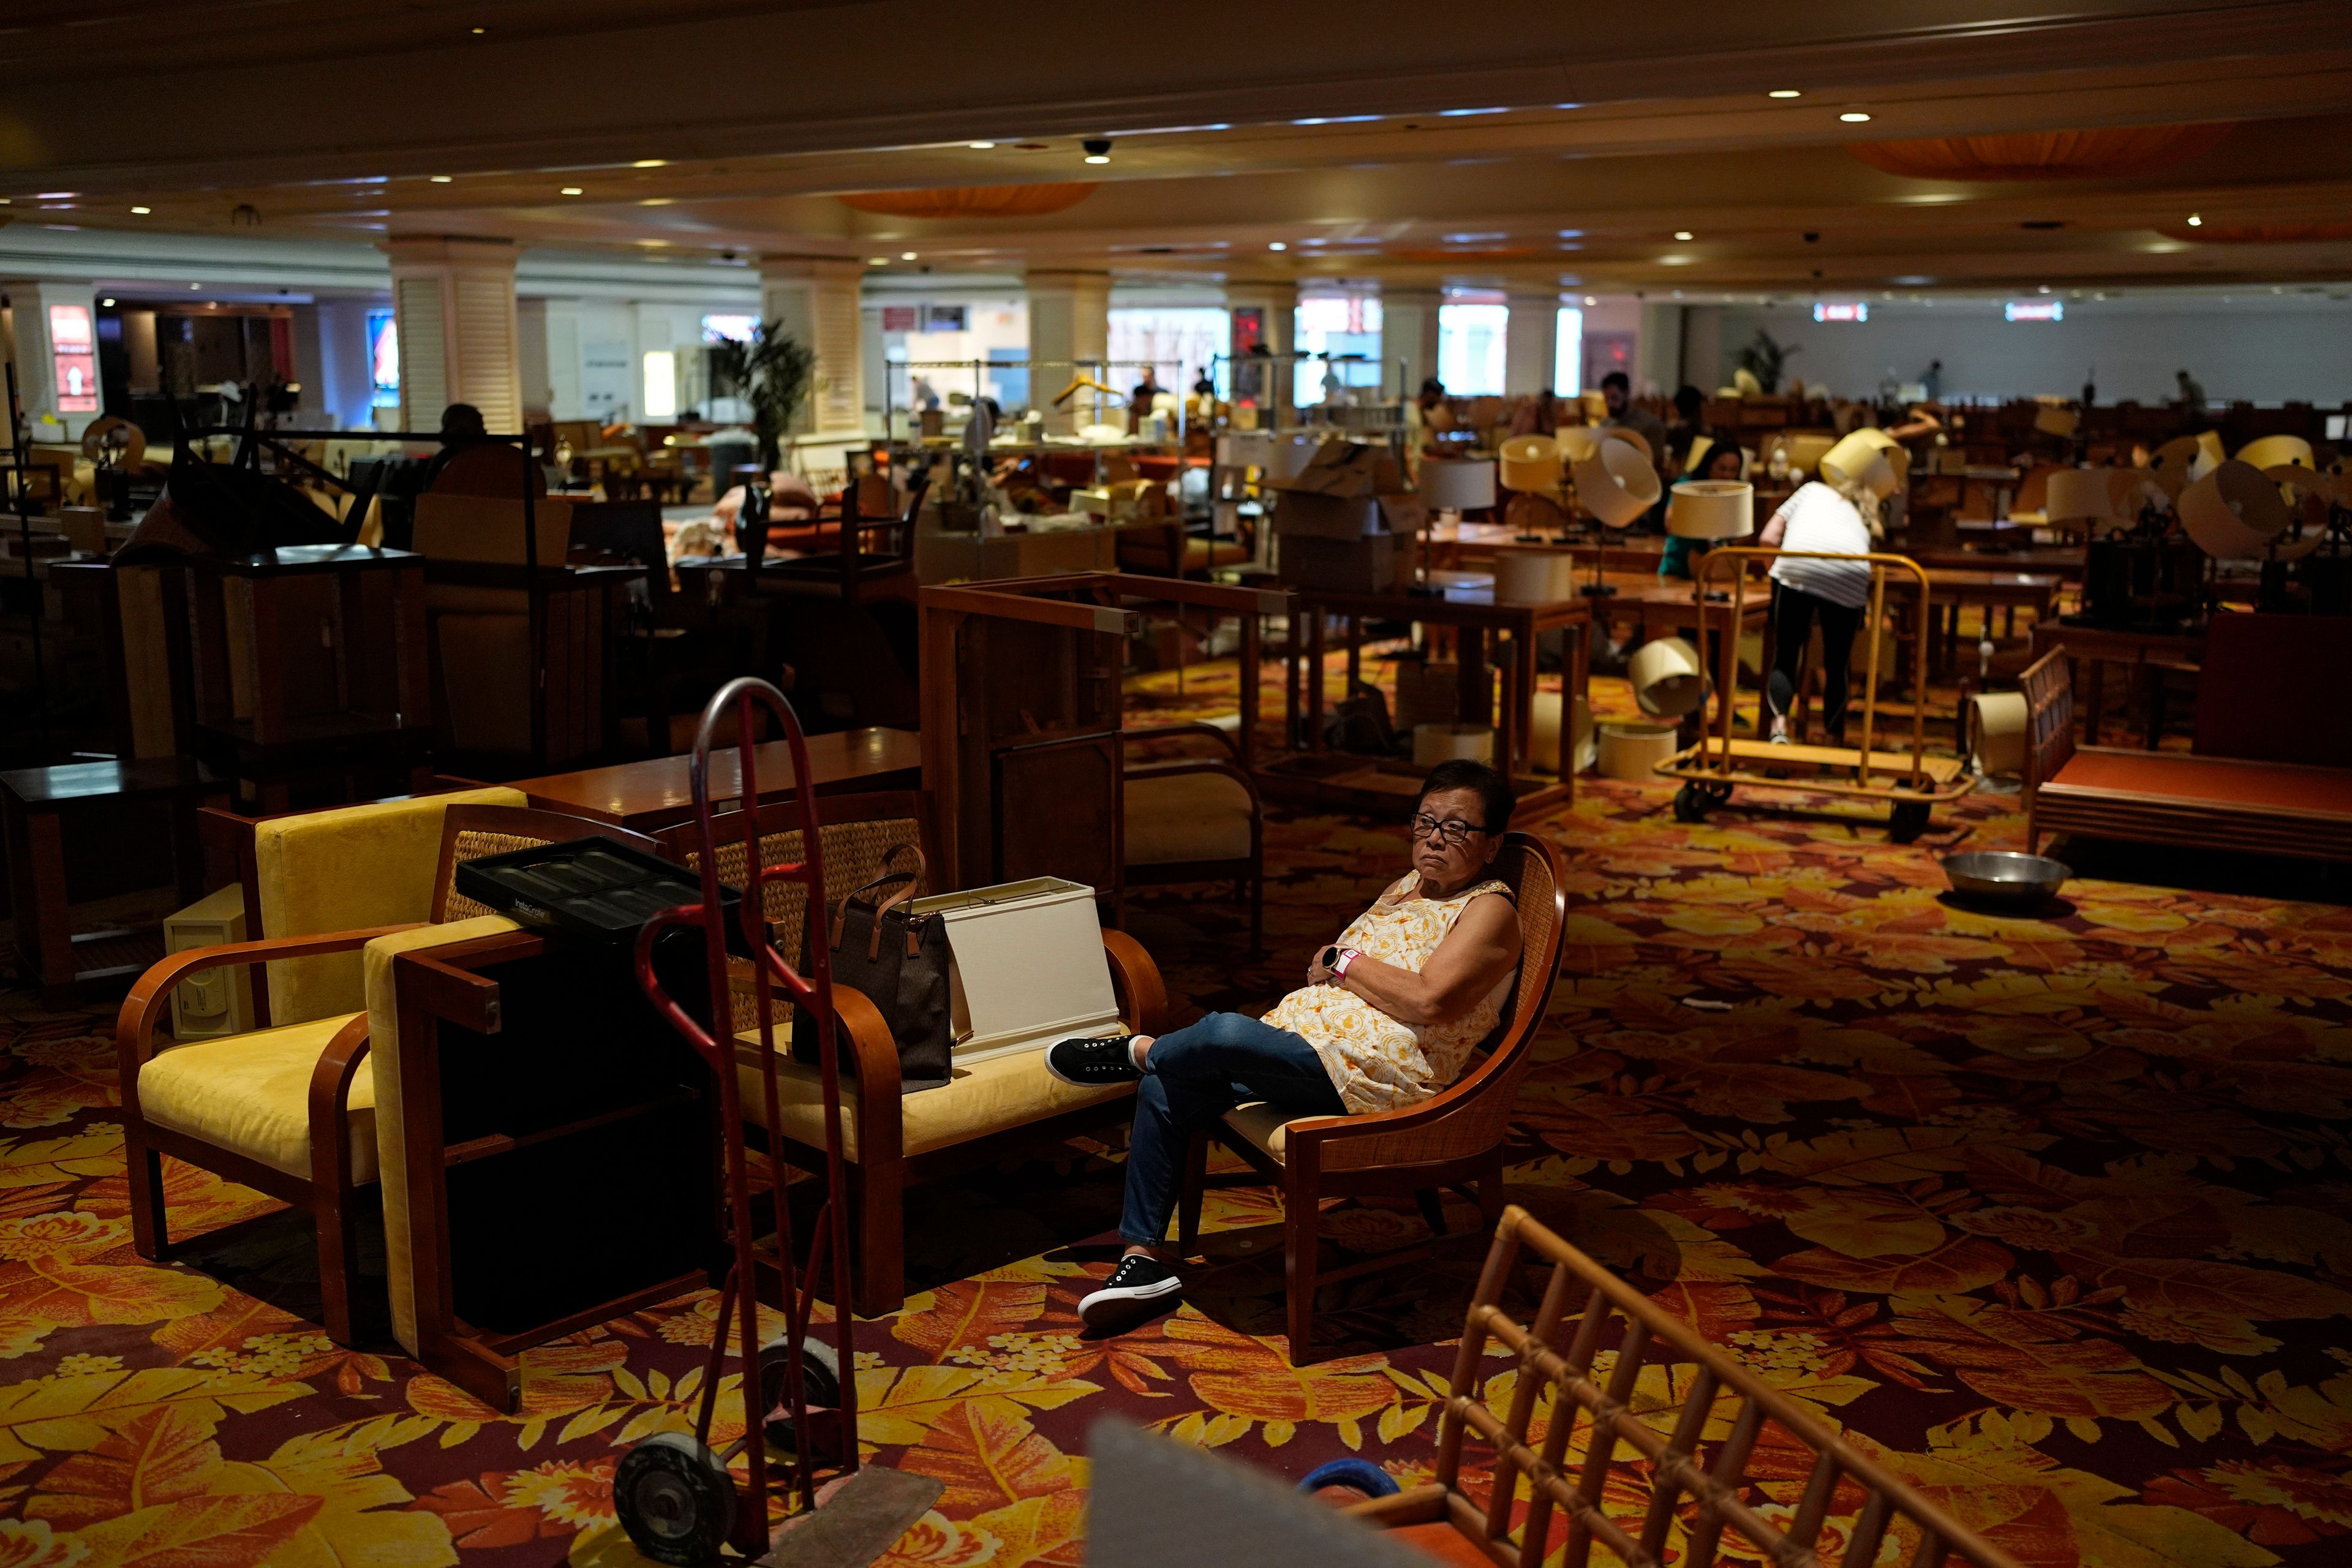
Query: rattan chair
x,y
1592,1336
1453,1139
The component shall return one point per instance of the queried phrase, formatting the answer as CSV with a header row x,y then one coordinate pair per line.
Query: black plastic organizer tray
x,y
584,886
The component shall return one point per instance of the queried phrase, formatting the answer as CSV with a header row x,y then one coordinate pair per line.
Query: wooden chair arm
x,y
330,1088
1413,1117
865,1033
1135,980
134,1025
1169,732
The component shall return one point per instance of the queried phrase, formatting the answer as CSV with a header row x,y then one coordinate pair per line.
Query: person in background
x,y
1138,400
1617,391
461,427
1723,461
1829,520
921,395
2192,393
1388,1015
1684,432
1931,380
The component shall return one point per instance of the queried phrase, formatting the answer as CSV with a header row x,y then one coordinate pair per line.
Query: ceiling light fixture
x,y
1590,301
650,164
195,288
439,179
573,191
1855,117
1098,149
1276,244
142,212
1684,234
1784,92
980,146
877,261
479,31
656,201
2196,220
106,304
906,256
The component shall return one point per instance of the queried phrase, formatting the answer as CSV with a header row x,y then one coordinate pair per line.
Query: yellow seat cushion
x,y
987,1097
1178,817
1264,1126
250,1094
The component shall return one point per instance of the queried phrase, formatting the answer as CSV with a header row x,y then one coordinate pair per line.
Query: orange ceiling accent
x,y
973,201
2043,155
2259,233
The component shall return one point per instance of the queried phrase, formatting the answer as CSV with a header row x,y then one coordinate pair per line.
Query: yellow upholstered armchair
x,y
285,1110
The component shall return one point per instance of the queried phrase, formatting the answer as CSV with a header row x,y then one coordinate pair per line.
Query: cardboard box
x,y
1347,491
1370,565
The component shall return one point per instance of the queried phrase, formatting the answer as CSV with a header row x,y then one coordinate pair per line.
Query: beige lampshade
x,y
2180,463
2079,495
1594,403
1699,448
1851,459
1712,508
1745,385
1631,751
1997,731
2234,512
1524,577
2055,419
1803,450
1532,463
1578,443
2277,451
1616,484
1629,436
1457,484
1666,677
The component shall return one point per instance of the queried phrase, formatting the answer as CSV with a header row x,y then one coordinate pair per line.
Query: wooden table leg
x,y
1572,679
1472,700
1355,657
36,867
1290,678
1507,706
1315,681
1523,721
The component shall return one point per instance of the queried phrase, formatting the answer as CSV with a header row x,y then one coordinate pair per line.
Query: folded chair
x,y
1593,1338
285,1110
1453,1138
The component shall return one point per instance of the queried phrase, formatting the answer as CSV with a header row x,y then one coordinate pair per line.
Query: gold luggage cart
x,y
1912,783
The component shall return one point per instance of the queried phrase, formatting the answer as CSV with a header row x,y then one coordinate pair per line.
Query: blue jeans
x,y
1194,1075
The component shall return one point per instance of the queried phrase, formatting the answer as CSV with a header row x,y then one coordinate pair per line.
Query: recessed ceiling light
x,y
573,191
54,195
1276,244
1098,157
1683,234
142,212
654,201
906,256
650,164
104,304
2042,289
980,146
479,31
2195,221
195,288
1590,301
877,261
1855,117
1784,92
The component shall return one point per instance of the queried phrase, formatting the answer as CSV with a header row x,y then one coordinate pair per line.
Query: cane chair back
x,y
1472,1115
860,833
2049,717
1642,1402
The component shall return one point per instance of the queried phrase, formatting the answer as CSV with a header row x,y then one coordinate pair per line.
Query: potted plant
x,y
1765,359
775,372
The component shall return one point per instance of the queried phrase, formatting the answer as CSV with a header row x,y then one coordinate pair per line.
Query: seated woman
x,y
1388,1017
1723,461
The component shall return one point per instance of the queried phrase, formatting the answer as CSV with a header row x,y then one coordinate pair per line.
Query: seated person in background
x,y
1388,1017
461,428
1828,521
1617,391
1723,461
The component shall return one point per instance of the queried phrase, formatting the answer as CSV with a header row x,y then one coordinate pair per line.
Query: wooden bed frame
x,y
2171,797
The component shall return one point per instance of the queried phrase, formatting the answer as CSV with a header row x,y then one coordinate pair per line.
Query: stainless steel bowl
x,y
2000,876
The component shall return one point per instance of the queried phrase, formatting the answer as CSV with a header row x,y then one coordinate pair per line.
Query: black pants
x,y
1793,610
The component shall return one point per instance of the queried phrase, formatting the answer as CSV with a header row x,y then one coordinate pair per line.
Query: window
x,y
73,353
1337,324
729,329
1470,338
383,359
1568,364
1179,341
661,384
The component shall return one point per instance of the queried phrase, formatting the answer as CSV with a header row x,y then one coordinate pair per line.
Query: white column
x,y
1531,342
1658,352
815,299
1069,323
1408,332
454,304
56,356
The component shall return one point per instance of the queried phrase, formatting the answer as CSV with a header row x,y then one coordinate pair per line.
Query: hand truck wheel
x,y
1906,820
1694,800
676,1500
820,1386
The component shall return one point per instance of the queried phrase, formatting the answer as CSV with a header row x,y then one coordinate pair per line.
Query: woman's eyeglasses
x,y
1454,830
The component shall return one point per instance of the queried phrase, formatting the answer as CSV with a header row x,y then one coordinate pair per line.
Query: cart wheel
x,y
1906,820
1361,1476
1692,802
676,1500
819,1382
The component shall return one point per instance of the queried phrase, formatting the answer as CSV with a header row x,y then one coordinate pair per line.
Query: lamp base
x,y
1598,590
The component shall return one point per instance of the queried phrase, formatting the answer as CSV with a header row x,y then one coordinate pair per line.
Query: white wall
x,y
2257,350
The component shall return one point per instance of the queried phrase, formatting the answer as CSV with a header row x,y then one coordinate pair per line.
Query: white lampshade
x,y
2234,512
1457,484
1666,677
1617,484
2079,495
1711,508
1532,463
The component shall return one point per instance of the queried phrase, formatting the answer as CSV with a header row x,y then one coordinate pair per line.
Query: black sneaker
x,y
1137,1279
1092,1064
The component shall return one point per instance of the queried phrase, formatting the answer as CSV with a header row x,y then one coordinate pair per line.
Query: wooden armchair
x,y
285,1109
1592,1338
1452,1138
1196,819
894,1142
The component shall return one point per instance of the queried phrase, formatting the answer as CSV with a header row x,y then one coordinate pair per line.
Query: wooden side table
x,y
37,807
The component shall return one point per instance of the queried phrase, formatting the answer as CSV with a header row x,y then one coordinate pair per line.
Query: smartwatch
x,y
1329,956
1347,955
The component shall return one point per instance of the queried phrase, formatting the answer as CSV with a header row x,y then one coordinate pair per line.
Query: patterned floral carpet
x,y
2054,1214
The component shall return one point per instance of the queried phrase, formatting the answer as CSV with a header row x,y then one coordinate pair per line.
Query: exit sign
x,y
2034,311
1856,311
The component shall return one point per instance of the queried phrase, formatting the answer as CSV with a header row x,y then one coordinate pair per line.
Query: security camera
x,y
1097,146
1812,236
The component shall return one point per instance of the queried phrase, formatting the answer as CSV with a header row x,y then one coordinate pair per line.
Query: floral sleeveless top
x,y
1376,1062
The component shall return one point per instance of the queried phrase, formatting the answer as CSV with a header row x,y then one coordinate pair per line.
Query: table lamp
x,y
1532,463
1617,485
1459,484
1800,454
1712,508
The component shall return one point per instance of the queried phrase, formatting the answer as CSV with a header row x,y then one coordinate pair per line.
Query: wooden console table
x,y
37,807
657,793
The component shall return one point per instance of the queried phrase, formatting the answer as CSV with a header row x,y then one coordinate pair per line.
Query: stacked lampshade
x,y
1712,508
2234,512
1867,457
2183,460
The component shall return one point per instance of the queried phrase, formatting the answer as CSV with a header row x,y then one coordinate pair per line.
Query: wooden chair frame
x,y
1248,875
1707,1494
882,1171
1453,1138
329,1193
